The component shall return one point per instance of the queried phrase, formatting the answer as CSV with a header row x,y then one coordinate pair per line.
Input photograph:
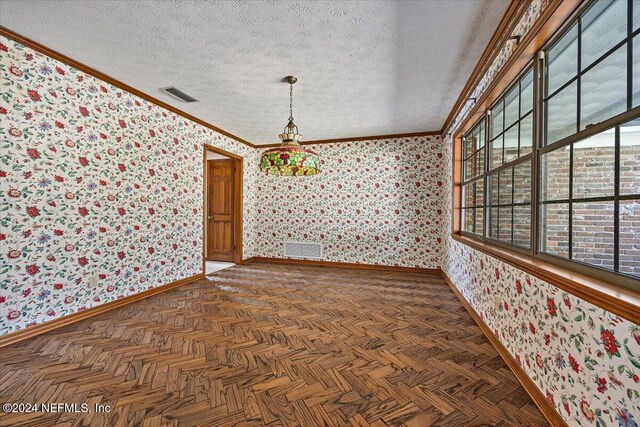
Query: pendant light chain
x,y
290,159
290,102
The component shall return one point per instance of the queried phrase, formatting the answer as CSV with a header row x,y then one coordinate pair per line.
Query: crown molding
x,y
512,15
361,138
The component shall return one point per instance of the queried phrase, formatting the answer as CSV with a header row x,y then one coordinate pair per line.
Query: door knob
x,y
209,217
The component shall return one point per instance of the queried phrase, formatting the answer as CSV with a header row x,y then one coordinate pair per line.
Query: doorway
x,y
222,197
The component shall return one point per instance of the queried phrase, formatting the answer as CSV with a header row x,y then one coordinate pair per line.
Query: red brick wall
x,y
593,223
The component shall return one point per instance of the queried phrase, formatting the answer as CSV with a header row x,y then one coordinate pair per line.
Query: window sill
x,y
618,300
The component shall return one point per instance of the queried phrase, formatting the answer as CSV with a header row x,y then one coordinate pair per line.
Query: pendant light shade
x,y
290,159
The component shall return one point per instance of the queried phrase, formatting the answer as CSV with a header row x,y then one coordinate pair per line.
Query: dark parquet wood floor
x,y
276,345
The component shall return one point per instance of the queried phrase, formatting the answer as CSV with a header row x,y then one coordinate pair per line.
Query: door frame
x,y
237,202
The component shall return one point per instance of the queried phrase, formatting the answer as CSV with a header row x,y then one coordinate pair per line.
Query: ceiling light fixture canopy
x,y
290,159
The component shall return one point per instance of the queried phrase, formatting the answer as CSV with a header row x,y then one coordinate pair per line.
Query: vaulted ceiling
x,y
363,67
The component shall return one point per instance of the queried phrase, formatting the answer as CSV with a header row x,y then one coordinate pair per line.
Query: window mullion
x,y
538,133
513,187
513,170
578,120
463,176
629,54
579,79
570,237
487,199
504,121
616,204
474,207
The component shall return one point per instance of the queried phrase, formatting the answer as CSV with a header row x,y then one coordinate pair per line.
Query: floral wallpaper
x,y
375,202
584,359
101,191
101,198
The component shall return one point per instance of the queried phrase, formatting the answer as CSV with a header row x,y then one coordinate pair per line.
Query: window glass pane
x,y
494,189
594,165
470,167
629,249
479,221
479,192
554,229
522,183
636,14
554,175
603,89
493,223
526,135
475,137
522,225
468,220
496,153
561,114
511,144
480,161
511,107
630,157
603,26
563,60
504,227
593,233
467,195
526,94
636,69
506,184
469,146
496,120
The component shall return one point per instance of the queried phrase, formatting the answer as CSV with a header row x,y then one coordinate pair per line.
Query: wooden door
x,y
220,215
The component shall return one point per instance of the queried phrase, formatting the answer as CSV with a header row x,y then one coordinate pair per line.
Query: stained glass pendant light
x,y
290,159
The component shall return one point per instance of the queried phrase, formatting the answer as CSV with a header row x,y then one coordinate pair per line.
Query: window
x,y
473,187
589,169
587,73
590,199
563,164
509,170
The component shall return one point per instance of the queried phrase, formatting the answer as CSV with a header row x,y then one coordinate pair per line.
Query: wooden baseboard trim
x,y
336,264
32,331
547,409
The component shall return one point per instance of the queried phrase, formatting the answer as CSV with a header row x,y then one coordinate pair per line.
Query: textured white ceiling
x,y
363,67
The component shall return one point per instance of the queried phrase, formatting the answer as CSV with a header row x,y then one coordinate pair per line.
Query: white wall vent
x,y
311,250
177,93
